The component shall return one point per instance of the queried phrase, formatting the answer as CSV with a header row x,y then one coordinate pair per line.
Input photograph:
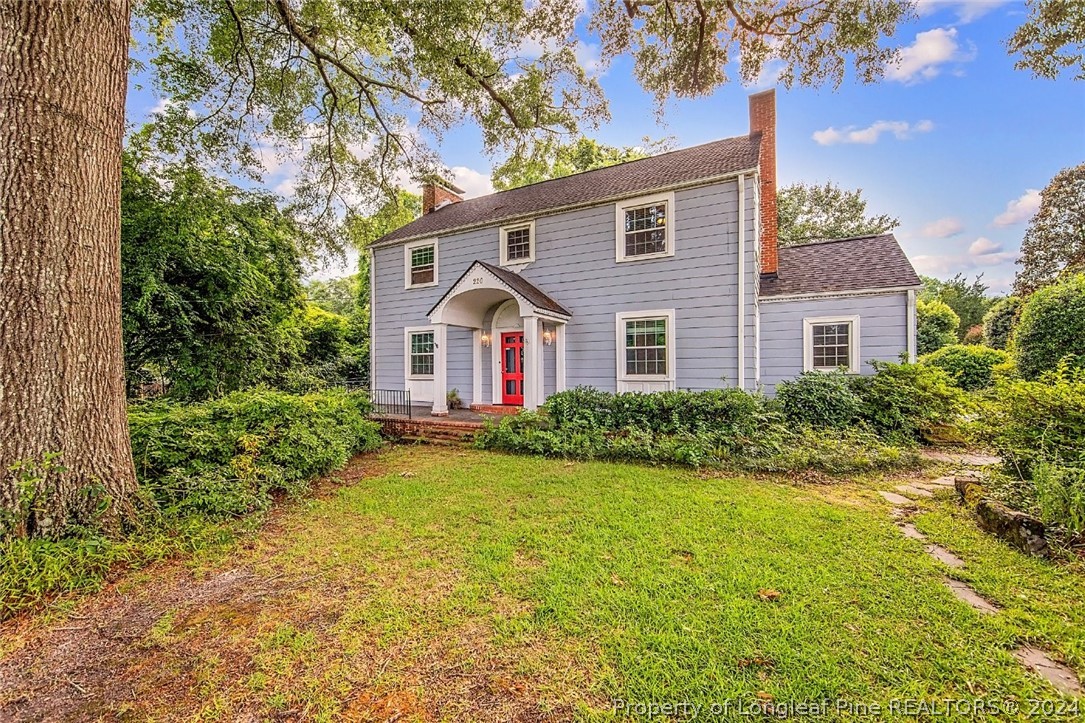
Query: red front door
x,y
512,368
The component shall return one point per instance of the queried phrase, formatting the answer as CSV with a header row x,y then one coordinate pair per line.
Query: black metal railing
x,y
391,401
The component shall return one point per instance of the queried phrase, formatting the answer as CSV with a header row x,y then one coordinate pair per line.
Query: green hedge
x,y
1030,422
226,457
971,366
1051,328
820,399
717,427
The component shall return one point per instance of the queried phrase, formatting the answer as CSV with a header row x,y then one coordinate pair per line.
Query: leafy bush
x,y
999,321
1030,422
1051,327
1060,494
776,448
970,366
835,451
730,411
936,325
226,457
903,402
820,399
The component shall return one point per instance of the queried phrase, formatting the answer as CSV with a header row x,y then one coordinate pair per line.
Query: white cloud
x,y
588,57
471,181
1020,209
924,58
982,253
943,227
902,130
967,10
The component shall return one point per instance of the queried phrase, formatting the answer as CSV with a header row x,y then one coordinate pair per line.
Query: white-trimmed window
x,y
420,355
831,343
420,264
645,227
645,341
518,244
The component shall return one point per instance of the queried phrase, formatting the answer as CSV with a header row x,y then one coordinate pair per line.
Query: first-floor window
x,y
421,353
831,344
646,347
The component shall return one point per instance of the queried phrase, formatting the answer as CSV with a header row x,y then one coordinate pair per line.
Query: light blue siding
x,y
575,264
883,331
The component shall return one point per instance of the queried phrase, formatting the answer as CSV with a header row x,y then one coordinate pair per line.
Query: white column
x,y
559,355
532,362
476,367
440,370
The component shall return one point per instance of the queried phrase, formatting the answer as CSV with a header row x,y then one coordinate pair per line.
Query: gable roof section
x,y
841,265
516,284
688,165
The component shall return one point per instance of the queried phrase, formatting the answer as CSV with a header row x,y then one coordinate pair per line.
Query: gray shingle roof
x,y
535,296
688,165
848,264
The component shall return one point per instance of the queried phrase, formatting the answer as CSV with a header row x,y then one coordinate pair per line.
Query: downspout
x,y
741,281
372,320
911,322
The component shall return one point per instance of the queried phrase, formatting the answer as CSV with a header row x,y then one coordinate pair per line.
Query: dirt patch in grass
x,y
290,627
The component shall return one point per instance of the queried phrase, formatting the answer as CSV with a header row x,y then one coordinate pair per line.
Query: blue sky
x,y
954,141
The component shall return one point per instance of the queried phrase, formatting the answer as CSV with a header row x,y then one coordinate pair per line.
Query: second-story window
x,y
421,264
645,228
518,244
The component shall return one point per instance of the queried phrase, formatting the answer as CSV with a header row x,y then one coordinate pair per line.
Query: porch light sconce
x,y
548,336
485,339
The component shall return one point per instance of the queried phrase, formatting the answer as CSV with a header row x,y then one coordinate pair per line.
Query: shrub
x,y
835,451
999,321
1060,495
726,411
226,457
819,399
1043,420
974,335
1051,327
903,402
970,366
936,325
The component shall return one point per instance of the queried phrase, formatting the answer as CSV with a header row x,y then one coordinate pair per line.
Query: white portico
x,y
512,321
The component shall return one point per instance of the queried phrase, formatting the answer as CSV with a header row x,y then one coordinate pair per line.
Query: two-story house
x,y
661,273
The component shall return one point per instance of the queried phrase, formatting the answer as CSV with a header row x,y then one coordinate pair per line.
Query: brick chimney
x,y
763,121
437,192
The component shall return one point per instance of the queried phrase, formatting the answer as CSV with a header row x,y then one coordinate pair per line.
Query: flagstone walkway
x,y
904,499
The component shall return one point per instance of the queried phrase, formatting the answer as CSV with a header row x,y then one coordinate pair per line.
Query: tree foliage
x,y
1054,242
210,281
969,300
556,160
1051,40
936,326
999,321
810,212
971,366
348,85
1051,328
339,296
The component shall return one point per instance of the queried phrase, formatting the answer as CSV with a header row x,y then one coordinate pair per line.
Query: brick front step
x,y
434,430
496,409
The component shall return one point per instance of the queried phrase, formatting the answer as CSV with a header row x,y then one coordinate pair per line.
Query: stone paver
x,y
1054,672
910,531
944,556
914,491
970,596
946,482
971,460
896,499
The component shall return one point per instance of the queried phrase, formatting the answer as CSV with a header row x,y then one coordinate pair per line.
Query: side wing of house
x,y
820,333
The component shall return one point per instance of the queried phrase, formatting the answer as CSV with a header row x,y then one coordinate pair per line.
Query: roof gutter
x,y
832,294
563,209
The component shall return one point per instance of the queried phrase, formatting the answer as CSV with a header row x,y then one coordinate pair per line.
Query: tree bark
x,y
63,79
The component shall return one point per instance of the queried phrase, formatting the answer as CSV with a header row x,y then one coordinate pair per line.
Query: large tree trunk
x,y
63,69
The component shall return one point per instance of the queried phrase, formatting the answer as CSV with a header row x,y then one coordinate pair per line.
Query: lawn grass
x,y
460,585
